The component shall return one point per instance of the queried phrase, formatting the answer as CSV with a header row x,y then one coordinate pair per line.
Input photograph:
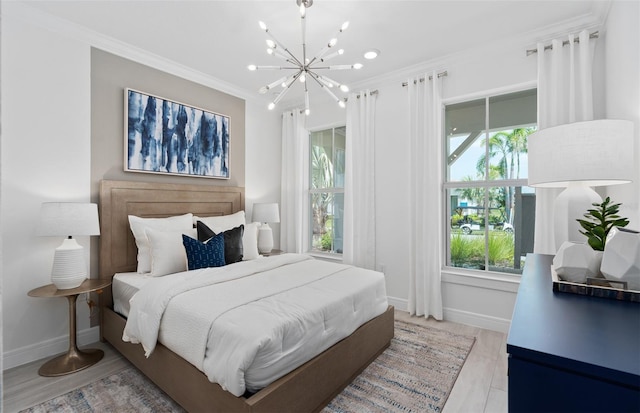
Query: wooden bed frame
x,y
307,389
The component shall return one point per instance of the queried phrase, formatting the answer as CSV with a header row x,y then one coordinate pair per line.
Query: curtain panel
x,y
565,95
425,117
359,243
294,183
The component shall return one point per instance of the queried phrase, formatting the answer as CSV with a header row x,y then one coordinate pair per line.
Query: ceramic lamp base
x,y
69,267
265,239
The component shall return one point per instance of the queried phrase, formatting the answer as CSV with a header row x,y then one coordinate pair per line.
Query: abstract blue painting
x,y
162,136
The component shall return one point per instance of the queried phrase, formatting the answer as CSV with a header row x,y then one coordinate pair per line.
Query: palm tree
x,y
507,146
321,177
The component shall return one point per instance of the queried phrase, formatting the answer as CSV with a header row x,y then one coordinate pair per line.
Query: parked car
x,y
470,226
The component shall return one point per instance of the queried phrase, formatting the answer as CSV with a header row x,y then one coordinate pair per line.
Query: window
x,y
326,194
490,209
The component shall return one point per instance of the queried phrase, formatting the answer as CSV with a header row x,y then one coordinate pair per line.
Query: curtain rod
x,y
441,74
373,92
593,35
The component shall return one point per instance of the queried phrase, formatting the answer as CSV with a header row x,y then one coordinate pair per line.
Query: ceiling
x,y
221,38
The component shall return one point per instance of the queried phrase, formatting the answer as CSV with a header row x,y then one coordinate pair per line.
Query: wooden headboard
x,y
119,199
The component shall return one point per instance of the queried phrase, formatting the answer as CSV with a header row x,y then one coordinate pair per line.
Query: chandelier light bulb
x,y
303,10
333,42
271,44
357,66
341,104
344,88
262,25
303,78
263,90
252,67
344,26
271,106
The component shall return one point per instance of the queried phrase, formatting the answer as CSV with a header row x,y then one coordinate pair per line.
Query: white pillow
x,y
222,223
250,242
167,251
139,225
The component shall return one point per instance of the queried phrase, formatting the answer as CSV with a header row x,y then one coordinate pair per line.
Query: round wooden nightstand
x,y
74,359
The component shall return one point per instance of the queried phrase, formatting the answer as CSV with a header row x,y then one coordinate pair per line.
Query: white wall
x,y
45,157
46,154
622,98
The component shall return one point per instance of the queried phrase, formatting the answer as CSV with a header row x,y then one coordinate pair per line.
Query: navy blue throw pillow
x,y
204,254
233,246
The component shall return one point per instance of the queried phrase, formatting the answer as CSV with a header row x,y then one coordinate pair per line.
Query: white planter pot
x,y
575,262
621,260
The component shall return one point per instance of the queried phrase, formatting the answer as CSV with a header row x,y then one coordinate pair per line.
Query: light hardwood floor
x,y
481,386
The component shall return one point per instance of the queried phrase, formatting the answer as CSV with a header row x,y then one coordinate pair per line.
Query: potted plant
x,y
576,262
599,221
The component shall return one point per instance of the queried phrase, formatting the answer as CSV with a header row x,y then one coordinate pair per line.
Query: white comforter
x,y
246,324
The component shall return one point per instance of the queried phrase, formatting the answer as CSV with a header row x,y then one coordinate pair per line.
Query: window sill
x,y
325,256
486,279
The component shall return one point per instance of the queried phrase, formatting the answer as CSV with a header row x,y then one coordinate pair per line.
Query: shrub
x,y
326,241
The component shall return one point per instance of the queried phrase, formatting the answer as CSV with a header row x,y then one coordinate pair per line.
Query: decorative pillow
x,y
232,241
250,241
167,252
139,225
204,254
222,223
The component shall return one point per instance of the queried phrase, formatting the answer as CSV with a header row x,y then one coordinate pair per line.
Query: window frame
x,y
485,183
311,191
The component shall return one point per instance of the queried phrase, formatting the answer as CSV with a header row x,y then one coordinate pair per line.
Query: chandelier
x,y
304,68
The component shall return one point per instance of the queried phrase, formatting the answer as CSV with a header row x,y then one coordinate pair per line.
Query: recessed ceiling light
x,y
371,54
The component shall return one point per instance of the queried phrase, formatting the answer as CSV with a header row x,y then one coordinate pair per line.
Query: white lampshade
x,y
266,212
595,153
68,219
577,156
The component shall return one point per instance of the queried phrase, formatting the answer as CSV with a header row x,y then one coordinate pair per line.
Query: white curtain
x,y
359,241
425,203
294,186
565,95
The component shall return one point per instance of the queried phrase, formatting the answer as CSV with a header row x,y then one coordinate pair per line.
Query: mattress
x,y
247,324
124,286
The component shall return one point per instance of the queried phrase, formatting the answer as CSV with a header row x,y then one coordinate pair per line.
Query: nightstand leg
x,y
74,360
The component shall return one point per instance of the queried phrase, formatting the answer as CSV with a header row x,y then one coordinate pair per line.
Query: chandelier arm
x,y
326,89
339,85
306,100
276,67
286,89
280,45
304,38
332,42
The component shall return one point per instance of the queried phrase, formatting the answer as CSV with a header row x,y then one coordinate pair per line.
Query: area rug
x,y
415,374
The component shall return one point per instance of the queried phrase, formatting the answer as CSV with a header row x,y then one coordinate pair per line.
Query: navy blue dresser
x,y
571,353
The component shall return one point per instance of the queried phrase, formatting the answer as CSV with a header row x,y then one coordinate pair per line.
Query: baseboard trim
x,y
47,348
399,303
477,320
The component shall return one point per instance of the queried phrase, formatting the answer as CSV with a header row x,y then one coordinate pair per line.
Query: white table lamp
x,y
577,156
68,219
265,213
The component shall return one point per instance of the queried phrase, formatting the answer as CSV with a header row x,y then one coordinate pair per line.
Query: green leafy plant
x,y
599,222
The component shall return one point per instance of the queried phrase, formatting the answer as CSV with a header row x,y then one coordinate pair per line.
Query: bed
x,y
307,388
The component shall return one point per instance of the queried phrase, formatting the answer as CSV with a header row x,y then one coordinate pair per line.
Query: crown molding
x,y
79,33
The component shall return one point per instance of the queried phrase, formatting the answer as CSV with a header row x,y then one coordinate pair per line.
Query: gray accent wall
x,y
110,76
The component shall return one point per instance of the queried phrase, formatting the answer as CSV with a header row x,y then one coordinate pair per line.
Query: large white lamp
x,y
265,213
577,156
68,219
